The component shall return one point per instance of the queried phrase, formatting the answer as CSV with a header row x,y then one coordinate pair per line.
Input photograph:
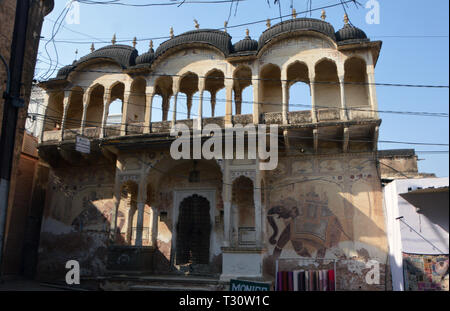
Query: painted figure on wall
x,y
309,225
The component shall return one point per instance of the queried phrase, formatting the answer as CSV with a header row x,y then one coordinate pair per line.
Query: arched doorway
x,y
193,231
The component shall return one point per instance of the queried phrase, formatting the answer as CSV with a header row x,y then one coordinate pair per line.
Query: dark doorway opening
x,y
193,231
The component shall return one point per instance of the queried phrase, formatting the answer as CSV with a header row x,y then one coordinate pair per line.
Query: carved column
x,y
238,100
256,98
148,110
213,103
313,95
174,112
257,202
117,196
344,112
189,105
86,100
201,89
285,101
126,100
66,105
142,197
106,103
229,103
372,88
226,195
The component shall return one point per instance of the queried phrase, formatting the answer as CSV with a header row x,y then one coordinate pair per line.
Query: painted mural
x,y
426,272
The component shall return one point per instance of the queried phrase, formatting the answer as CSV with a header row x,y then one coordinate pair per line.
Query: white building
x,y
417,215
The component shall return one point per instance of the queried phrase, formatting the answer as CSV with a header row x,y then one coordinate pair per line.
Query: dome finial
x,y
294,13
151,45
225,24
113,41
76,54
134,42
197,26
171,32
346,18
247,32
324,15
268,23
92,48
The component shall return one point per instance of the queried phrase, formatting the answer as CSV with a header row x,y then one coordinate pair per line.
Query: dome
x,y
350,32
297,24
124,55
146,58
64,71
245,45
219,39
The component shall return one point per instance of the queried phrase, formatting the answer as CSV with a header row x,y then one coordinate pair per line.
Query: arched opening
x,y
193,231
242,78
299,87
136,102
214,81
126,214
188,86
243,209
115,109
326,85
54,111
355,78
75,110
94,112
163,88
271,95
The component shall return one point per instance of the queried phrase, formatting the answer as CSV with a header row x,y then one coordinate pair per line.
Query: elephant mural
x,y
309,225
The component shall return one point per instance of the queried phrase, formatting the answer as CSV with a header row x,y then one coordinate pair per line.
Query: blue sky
x,y
415,51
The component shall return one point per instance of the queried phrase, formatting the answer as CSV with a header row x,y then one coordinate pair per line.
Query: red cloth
x,y
331,280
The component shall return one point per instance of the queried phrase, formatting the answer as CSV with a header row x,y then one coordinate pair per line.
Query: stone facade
x,y
323,199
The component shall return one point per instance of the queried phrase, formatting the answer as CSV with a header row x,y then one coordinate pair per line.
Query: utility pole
x,y
13,102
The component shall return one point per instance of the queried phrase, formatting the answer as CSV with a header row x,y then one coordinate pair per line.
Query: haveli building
x,y
128,205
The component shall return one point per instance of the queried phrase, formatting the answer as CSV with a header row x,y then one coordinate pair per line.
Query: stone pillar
x,y
66,105
256,99
313,96
148,110
106,103
174,112
226,196
86,100
165,106
238,100
285,101
234,225
229,102
372,90
142,197
344,112
188,105
154,229
126,99
201,89
213,103
258,211
117,196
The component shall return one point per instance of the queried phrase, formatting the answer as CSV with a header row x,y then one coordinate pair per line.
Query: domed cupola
x,y
215,38
63,72
148,57
245,45
350,33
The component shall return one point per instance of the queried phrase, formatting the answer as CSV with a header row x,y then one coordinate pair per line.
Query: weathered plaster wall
x,y
76,220
327,207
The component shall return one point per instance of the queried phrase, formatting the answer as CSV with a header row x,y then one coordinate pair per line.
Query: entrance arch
x,y
193,231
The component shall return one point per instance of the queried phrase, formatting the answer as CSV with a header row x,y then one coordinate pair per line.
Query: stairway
x,y
161,283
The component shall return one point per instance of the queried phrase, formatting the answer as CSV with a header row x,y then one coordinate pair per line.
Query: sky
x,y
415,51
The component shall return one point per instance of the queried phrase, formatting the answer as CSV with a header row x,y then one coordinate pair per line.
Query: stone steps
x,y
161,283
